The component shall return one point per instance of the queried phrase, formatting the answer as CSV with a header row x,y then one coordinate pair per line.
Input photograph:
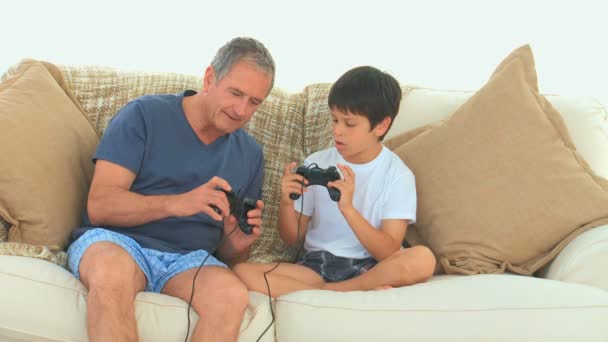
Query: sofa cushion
x,y
500,183
46,145
486,307
62,317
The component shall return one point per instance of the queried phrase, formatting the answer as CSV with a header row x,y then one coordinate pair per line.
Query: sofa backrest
x,y
291,126
586,118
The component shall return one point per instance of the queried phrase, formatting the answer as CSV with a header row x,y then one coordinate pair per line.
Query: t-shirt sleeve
x,y
400,202
124,140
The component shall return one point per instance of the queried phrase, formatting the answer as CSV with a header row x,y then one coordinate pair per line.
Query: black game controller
x,y
318,176
239,207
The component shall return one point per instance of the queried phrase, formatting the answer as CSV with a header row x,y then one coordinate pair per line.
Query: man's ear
x,y
208,78
382,127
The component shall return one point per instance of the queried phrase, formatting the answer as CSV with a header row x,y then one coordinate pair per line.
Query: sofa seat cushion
x,y
492,307
44,302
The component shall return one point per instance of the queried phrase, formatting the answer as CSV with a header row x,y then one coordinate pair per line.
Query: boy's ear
x,y
382,127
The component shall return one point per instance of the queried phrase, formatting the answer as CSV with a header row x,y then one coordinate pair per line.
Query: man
x,y
150,219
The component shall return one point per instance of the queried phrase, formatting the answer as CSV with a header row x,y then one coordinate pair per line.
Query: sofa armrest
x,y
583,260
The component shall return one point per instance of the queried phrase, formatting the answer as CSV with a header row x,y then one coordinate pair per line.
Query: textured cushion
x,y
46,146
500,183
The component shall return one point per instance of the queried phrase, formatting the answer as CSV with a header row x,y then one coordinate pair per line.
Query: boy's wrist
x,y
348,211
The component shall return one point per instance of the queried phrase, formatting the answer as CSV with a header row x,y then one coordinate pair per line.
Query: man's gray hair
x,y
243,49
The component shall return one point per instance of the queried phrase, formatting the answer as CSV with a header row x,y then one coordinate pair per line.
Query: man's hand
x,y
346,187
236,247
291,183
201,199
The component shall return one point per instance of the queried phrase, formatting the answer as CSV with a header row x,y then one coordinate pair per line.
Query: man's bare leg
x,y
220,300
113,280
285,278
405,267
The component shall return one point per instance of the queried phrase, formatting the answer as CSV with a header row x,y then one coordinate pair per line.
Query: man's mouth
x,y
233,117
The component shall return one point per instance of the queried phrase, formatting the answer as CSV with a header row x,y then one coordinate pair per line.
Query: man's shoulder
x,y
155,99
246,139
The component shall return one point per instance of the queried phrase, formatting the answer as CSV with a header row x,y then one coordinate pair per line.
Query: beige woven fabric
x,y
102,91
39,252
3,229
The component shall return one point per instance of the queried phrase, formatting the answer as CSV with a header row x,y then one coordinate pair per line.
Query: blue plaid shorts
x,y
158,266
334,268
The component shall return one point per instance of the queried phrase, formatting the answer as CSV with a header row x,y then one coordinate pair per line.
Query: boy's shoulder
x,y
397,165
324,158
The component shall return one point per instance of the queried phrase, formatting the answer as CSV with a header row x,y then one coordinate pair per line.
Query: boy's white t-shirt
x,y
385,188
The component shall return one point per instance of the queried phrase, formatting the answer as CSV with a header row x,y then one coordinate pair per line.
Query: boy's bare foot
x,y
383,287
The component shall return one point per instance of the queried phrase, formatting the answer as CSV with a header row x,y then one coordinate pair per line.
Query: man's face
x,y
233,99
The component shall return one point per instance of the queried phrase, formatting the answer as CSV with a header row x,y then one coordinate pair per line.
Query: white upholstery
x,y
44,302
449,308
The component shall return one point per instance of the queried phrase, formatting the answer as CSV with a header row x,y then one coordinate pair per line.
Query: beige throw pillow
x,y
500,183
46,143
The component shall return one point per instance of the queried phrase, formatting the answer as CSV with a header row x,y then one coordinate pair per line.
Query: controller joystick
x,y
239,207
318,176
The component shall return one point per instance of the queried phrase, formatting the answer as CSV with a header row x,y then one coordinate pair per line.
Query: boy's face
x,y
354,138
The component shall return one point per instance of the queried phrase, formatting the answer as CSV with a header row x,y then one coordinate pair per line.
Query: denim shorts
x,y
334,268
158,266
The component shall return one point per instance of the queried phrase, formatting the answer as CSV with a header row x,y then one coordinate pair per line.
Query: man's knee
x,y
224,293
107,265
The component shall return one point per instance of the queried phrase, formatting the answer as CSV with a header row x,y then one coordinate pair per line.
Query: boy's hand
x,y
346,187
291,183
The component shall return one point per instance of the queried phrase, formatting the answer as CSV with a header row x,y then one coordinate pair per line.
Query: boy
x,y
354,244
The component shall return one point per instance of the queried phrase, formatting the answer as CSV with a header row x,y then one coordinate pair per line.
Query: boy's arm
x,y
380,243
288,216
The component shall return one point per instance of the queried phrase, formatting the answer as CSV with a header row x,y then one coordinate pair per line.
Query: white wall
x,y
441,44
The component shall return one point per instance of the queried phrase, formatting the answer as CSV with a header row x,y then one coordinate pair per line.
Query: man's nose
x,y
240,107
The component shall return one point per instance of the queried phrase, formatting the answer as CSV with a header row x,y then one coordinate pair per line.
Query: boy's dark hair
x,y
369,92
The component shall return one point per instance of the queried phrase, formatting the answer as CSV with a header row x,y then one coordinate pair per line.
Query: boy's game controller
x,y
239,207
318,176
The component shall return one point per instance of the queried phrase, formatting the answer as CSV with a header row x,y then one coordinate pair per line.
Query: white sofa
x,y
566,301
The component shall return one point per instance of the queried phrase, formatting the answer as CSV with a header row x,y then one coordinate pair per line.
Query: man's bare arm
x,y
111,203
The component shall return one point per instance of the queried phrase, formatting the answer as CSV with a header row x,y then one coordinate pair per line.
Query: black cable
x,y
196,274
278,263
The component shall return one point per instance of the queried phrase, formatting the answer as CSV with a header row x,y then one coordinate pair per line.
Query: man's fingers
x,y
220,182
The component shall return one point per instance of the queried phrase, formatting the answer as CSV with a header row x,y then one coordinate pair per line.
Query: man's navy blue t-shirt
x,y
151,137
